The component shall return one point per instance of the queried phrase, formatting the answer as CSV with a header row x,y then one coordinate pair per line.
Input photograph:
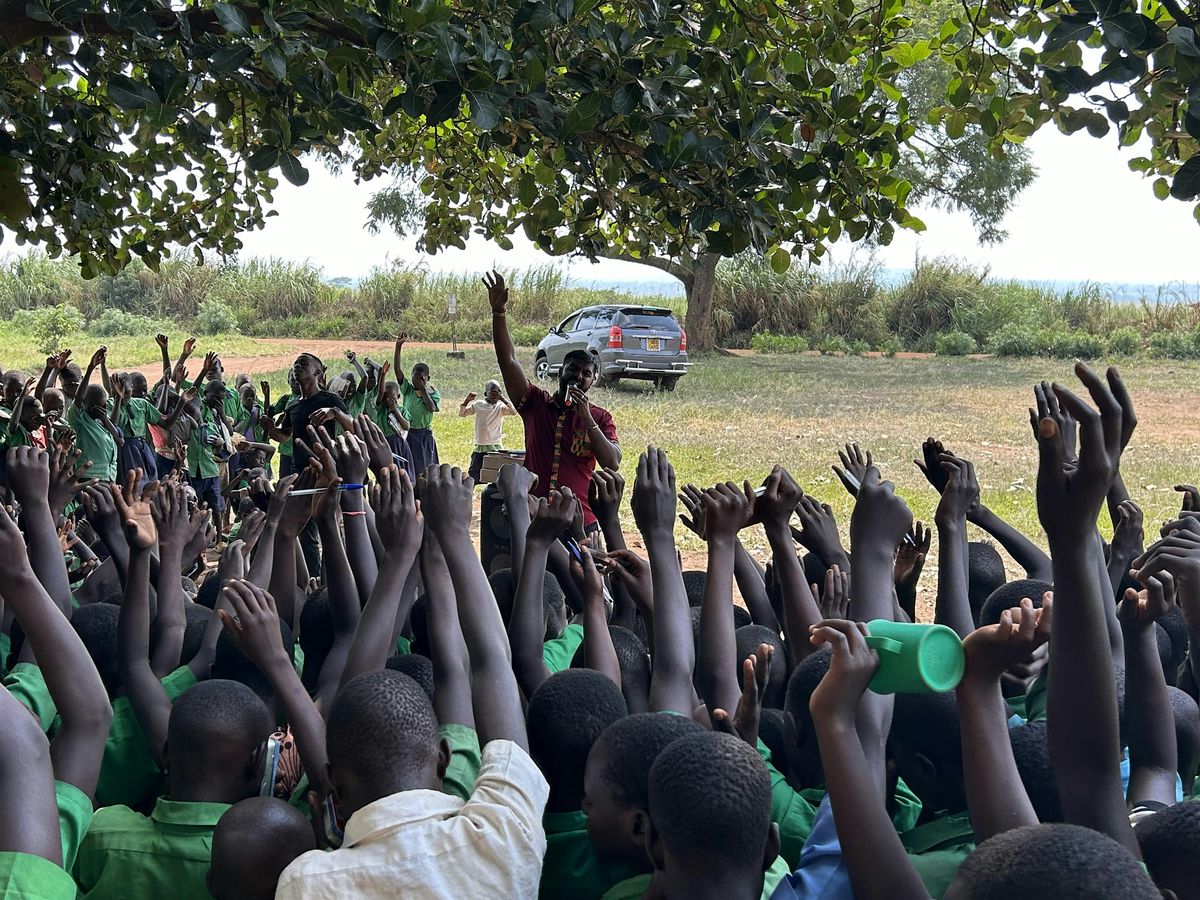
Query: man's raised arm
x,y
515,381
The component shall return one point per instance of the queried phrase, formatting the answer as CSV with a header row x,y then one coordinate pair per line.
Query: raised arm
x,y
447,499
400,523
350,456
146,694
447,649
598,650
515,483
953,607
397,367
28,811
29,480
1081,697
70,676
996,798
653,504
800,611
293,516
527,625
175,528
515,381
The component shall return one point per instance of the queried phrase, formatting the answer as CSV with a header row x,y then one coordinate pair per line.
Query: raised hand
x,y
780,497
994,649
515,482
497,292
691,497
398,517
910,556
351,355
401,339
1128,534
633,573
378,451
29,475
325,475
756,670
930,463
1141,609
62,359
133,506
835,599
552,517
98,357
170,511
296,510
446,497
1047,404
728,509
854,466
210,362
653,500
605,493
818,531
189,347
252,621
350,458
161,340
850,669
881,517
961,492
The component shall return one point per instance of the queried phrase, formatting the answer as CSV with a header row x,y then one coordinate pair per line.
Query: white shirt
x,y
489,421
426,844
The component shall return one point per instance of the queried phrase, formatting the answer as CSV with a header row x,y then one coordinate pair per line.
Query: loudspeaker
x,y
494,532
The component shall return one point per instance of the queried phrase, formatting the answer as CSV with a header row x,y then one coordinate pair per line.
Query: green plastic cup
x,y
915,658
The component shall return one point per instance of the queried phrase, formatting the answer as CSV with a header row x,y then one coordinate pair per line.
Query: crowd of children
x,y
250,650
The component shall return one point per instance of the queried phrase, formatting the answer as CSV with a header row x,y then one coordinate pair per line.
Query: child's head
x,y
803,754
197,621
985,574
391,393
214,394
254,841
96,625
567,713
417,667
926,744
316,634
1049,862
382,738
634,661
53,402
491,391
420,375
770,732
308,370
241,380
215,738
95,401
748,639
1169,840
14,383
710,814
1176,629
247,396
554,605
138,384
617,781
31,413
1009,596
229,662
1187,734
70,376
694,583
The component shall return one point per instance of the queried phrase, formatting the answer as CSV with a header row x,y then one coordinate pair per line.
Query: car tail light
x,y
682,340
616,337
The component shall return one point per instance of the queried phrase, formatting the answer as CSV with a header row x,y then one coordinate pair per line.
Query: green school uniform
x,y
418,415
25,682
1035,697
74,817
403,646
200,460
16,436
127,855
465,760
136,414
285,447
128,772
95,442
5,648
635,888
571,869
558,652
29,877
937,848
356,404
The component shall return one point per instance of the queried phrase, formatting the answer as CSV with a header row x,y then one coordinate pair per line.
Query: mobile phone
x,y
270,768
572,548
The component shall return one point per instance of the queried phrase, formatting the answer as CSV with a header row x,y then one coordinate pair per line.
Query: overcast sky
x,y
1086,217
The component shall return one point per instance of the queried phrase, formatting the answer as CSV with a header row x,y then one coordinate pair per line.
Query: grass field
x,y
733,417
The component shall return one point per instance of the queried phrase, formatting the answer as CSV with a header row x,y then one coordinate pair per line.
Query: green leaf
x,y
262,159
228,60
275,63
1184,40
484,111
14,201
527,192
781,261
1125,31
627,98
583,116
1162,188
292,170
793,63
232,19
389,46
1071,80
1186,185
129,94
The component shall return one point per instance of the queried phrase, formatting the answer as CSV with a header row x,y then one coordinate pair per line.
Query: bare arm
x,y
28,811
527,626
451,660
515,381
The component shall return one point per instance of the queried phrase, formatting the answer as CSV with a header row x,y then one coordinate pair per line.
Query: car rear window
x,y
651,319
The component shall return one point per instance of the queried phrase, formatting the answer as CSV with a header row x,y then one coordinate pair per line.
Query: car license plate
x,y
653,343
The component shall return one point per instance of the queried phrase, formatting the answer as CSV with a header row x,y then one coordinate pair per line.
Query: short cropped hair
x,y
218,714
1009,596
96,625
1031,752
985,574
567,713
710,801
417,667
631,745
1169,840
1053,861
380,722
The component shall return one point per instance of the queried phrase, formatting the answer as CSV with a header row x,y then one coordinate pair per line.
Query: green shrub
x,y
1125,342
766,342
889,346
49,325
926,303
1076,345
215,317
1171,345
527,335
860,347
954,343
833,343
1019,340
113,322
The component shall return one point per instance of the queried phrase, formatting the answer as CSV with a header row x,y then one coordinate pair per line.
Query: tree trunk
x,y
701,286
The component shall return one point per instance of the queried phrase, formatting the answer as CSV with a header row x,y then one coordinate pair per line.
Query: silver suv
x,y
643,342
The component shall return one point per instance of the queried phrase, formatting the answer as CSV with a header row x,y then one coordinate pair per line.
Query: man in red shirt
x,y
565,434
